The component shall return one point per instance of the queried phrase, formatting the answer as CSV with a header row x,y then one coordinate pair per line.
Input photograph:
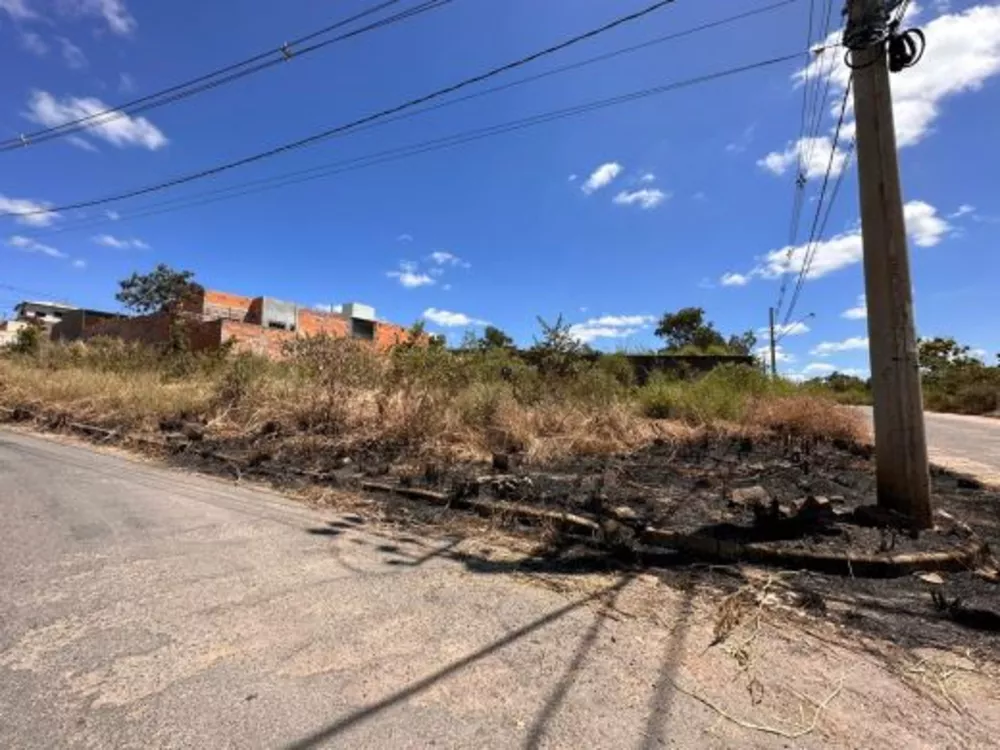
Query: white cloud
x,y
409,276
33,42
109,240
444,258
964,209
740,144
79,263
113,215
645,198
780,355
923,225
815,368
404,237
699,196
648,177
962,53
72,55
25,206
114,12
830,347
81,143
29,245
601,177
609,327
572,178
126,83
116,128
622,320
786,329
815,155
858,312
734,279
18,9
980,354
449,319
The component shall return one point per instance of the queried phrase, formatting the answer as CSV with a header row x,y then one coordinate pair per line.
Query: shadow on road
x,y
368,712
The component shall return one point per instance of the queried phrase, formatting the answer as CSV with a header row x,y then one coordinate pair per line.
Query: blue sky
x,y
610,218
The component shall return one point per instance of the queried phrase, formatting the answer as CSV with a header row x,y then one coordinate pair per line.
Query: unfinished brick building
x,y
262,325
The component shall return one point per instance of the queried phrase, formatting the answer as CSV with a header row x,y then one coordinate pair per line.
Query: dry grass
x,y
133,399
341,395
809,416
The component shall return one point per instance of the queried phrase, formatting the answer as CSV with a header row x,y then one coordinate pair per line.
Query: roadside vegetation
x,y
954,380
554,399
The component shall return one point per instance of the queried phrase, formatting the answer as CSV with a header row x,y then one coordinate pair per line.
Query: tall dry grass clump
x,y
342,395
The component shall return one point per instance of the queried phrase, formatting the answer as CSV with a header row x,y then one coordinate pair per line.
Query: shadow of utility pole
x,y
363,714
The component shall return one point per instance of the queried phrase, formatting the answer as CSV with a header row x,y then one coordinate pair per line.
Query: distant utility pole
x,y
902,475
774,361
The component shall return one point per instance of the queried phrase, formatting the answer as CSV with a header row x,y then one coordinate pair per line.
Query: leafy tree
x,y
939,356
687,330
494,338
160,289
742,344
558,352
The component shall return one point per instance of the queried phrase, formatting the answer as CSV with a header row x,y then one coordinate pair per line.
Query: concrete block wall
x,y
147,329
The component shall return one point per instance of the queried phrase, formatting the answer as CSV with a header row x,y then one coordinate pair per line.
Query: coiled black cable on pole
x,y
875,28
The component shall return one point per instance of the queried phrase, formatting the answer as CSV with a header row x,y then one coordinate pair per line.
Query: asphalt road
x,y
142,607
965,443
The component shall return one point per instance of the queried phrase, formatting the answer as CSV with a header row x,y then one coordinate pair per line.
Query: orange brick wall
x,y
388,335
225,305
248,337
313,323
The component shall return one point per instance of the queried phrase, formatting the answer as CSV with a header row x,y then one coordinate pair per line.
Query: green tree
x,y
558,351
687,329
941,355
160,289
494,338
742,344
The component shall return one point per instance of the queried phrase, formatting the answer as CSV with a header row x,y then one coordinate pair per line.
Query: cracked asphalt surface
x,y
142,607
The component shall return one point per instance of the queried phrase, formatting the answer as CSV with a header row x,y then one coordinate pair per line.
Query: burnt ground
x,y
791,494
786,493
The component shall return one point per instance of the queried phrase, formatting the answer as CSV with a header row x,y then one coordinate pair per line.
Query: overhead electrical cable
x,y
221,76
402,152
324,134
813,242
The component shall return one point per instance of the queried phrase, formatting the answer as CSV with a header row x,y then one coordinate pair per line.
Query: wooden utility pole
x,y
902,475
770,327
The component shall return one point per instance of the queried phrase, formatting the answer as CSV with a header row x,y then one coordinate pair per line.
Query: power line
x,y
309,140
798,194
813,116
228,74
813,244
458,100
402,152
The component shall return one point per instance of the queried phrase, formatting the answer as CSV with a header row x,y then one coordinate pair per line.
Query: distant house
x,y
262,325
46,314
